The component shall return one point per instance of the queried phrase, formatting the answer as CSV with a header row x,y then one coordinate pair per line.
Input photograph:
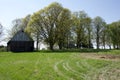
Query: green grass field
x,y
60,66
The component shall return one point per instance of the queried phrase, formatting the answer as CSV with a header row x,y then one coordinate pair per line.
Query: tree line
x,y
56,25
1,29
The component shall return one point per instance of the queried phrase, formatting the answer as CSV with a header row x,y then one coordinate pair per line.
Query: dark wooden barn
x,y
20,42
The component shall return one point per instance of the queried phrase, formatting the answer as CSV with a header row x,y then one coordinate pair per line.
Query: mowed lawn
x,y
60,66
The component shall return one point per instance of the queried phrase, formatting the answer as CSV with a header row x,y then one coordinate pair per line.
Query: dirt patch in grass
x,y
114,57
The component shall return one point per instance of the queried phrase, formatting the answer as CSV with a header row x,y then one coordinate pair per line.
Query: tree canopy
x,y
56,25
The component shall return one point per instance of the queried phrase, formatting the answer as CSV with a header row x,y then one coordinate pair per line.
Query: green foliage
x,y
56,25
50,24
83,29
63,28
99,25
115,32
1,29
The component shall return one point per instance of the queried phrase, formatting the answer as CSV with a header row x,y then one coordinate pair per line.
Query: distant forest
x,y
56,25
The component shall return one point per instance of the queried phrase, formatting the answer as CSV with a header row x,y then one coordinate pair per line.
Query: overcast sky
x,y
109,10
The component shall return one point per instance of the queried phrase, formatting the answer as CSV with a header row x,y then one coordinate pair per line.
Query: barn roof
x,y
21,36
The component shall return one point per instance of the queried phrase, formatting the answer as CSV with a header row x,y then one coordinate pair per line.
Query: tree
x,y
99,24
25,21
16,26
108,36
45,22
63,28
53,12
103,37
19,25
88,27
115,32
34,27
1,29
51,24
81,23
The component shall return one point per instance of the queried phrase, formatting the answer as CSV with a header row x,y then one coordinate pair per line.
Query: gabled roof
x,y
21,36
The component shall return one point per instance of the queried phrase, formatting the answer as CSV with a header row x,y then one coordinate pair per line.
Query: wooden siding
x,y
21,46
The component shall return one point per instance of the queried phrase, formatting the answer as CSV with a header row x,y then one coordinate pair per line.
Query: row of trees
x,y
58,25
1,29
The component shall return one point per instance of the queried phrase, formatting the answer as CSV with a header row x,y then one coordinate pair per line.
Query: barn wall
x,y
21,46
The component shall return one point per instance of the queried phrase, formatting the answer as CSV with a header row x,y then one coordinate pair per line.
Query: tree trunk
x,y
117,46
89,41
113,46
97,40
78,41
51,46
88,44
60,45
37,42
109,46
104,44
37,45
77,44
67,41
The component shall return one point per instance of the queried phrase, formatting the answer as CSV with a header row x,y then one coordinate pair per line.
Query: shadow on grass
x,y
22,51
70,51
75,50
